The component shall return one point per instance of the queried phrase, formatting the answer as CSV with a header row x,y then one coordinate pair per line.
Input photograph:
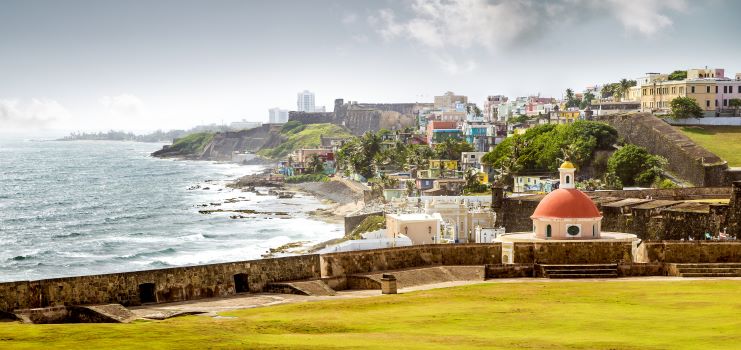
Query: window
x,y
548,231
567,179
681,89
693,89
644,90
594,230
572,230
707,103
674,90
739,89
724,89
725,102
716,89
707,88
716,103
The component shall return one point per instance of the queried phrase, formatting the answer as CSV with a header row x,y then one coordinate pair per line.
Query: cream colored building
x,y
419,228
657,95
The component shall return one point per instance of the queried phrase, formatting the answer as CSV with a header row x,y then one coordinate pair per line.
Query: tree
x,y
735,103
678,75
472,183
685,107
633,165
586,100
315,165
571,100
452,148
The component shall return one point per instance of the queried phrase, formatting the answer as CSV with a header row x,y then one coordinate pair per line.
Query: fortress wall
x,y
690,252
687,193
352,221
347,263
687,159
169,285
572,252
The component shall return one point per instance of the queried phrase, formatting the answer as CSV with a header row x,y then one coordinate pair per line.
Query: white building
x,y
277,115
305,101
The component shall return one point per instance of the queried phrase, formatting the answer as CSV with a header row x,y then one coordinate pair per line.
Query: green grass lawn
x,y
559,315
724,141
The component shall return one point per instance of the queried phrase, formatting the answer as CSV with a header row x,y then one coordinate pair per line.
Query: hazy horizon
x,y
141,65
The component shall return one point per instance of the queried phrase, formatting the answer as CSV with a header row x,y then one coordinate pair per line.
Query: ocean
x,y
90,207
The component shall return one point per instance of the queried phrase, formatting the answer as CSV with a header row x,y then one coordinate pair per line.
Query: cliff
x,y
270,140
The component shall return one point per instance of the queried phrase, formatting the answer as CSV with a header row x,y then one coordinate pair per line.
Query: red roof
x,y
566,203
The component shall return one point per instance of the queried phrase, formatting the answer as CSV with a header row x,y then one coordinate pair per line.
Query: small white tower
x,y
567,170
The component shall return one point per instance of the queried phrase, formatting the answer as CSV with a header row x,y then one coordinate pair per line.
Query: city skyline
x,y
140,66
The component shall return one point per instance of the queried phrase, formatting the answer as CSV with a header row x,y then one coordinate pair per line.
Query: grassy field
x,y
724,141
559,315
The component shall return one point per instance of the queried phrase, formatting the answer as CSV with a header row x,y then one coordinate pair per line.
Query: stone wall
x,y
668,193
347,263
687,159
572,252
689,252
168,285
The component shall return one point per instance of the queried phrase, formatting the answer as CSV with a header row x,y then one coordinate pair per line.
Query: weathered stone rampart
x,y
686,158
689,252
164,285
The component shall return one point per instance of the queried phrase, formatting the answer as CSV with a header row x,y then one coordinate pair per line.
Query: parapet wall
x,y
572,252
686,158
689,252
687,193
348,263
164,285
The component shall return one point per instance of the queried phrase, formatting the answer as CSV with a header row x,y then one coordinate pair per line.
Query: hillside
x,y
186,146
295,136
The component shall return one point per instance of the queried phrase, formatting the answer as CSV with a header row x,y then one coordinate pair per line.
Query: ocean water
x,y
91,207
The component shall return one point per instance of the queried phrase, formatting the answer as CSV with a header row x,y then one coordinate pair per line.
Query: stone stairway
x,y
706,270
579,271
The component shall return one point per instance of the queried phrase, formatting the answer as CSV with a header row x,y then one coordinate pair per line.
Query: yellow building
x,y
444,164
657,95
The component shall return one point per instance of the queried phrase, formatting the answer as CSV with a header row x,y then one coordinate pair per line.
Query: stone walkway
x,y
211,307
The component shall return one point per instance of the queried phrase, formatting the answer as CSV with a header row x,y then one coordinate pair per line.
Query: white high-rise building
x,y
277,116
305,101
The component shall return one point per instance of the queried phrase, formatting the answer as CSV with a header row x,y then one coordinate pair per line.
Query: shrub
x,y
307,178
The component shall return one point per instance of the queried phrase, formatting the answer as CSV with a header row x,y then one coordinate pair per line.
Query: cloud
x,y
35,114
452,66
349,18
124,105
646,16
452,25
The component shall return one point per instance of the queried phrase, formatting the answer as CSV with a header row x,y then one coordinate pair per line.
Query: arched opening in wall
x,y
568,179
147,293
240,283
548,230
594,230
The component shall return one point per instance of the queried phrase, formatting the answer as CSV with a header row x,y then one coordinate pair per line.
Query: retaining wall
x,y
572,252
689,252
346,263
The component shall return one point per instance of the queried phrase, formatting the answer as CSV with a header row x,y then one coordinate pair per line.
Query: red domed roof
x,y
566,203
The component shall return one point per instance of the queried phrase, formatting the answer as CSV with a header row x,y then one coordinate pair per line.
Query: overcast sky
x,y
143,65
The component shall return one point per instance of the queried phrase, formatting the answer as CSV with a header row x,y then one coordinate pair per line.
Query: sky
x,y
73,65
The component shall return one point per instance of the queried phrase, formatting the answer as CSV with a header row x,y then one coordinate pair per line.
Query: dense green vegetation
x,y
307,178
369,224
685,107
724,141
364,155
633,165
296,136
678,75
529,315
544,147
193,143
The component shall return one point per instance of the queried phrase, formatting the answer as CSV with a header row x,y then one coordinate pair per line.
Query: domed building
x,y
566,213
